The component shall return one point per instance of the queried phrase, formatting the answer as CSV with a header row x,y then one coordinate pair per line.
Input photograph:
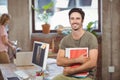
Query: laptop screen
x,y
40,54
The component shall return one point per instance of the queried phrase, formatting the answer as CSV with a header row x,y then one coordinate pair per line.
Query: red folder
x,y
74,53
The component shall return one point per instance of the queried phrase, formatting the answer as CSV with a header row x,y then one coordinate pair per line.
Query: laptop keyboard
x,y
21,74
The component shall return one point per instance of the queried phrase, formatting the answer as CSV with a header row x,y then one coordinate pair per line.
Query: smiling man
x,y
78,38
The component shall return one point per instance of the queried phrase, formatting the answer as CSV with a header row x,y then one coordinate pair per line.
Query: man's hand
x,y
67,71
82,59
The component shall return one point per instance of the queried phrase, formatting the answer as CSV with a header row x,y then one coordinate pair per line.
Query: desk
x,y
8,70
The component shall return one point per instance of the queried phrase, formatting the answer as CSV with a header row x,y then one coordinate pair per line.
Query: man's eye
x,y
71,18
78,18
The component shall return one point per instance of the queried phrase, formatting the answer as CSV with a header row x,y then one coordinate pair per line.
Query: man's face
x,y
76,21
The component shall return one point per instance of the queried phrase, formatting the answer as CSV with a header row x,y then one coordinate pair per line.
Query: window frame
x,y
54,31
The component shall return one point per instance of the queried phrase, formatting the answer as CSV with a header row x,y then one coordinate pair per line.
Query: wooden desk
x,y
8,70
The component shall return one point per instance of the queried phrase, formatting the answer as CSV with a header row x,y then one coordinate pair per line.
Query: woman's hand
x,y
14,48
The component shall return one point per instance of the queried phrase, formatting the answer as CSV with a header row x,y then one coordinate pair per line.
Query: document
x,y
75,53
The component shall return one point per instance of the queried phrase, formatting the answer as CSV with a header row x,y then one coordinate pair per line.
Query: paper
x,y
74,53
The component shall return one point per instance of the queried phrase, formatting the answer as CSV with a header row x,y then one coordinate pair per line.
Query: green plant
x,y
90,27
44,16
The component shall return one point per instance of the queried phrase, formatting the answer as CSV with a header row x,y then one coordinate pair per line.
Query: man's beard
x,y
77,28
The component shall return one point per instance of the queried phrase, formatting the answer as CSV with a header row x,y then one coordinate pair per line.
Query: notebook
x,y
73,53
23,58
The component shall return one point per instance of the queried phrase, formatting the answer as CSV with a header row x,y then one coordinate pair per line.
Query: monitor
x,y
40,54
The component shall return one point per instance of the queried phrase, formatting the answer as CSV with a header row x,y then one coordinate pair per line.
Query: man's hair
x,y
79,10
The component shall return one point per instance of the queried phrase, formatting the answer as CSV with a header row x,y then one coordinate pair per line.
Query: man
x,y
78,38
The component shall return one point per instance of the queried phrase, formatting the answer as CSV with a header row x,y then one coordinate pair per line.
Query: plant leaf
x,y
48,6
36,9
90,28
90,24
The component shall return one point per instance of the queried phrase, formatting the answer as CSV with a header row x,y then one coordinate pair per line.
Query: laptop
x,y
23,59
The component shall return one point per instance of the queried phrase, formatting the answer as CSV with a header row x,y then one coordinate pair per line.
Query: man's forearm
x,y
66,62
83,68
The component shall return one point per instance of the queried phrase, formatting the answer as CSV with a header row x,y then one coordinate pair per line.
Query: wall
x,y
20,25
110,39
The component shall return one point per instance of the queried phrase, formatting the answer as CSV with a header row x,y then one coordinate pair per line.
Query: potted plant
x,y
90,27
44,16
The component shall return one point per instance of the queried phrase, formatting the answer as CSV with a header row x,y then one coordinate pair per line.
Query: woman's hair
x,y
4,17
79,10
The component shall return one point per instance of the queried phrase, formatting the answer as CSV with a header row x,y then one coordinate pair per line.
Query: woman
x,y
4,41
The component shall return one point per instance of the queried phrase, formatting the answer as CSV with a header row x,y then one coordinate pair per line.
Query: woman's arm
x,y
6,42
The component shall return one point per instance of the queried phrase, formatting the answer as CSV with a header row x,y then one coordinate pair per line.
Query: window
x,y
60,13
3,6
3,9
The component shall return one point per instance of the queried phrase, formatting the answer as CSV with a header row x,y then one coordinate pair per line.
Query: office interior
x,y
21,30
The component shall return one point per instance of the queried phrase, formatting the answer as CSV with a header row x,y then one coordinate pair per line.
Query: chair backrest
x,y
1,75
95,73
